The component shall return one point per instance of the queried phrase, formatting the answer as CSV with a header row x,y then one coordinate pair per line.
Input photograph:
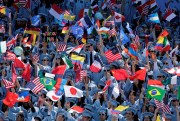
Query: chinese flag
x,y
10,99
120,74
140,75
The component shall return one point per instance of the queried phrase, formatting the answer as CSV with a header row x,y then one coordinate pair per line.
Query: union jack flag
x,y
9,56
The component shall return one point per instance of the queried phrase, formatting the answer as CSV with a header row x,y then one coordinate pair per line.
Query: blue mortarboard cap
x,y
146,114
174,97
73,100
102,110
151,102
168,116
91,41
114,103
2,92
96,90
101,83
42,14
87,113
45,56
62,112
131,109
88,107
113,64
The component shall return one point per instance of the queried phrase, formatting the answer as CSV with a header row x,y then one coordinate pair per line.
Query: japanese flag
x,y
71,91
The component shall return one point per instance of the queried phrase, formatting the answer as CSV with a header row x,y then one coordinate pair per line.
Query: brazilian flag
x,y
156,93
48,83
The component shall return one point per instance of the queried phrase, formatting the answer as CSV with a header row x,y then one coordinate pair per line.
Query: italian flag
x,y
3,47
166,45
169,15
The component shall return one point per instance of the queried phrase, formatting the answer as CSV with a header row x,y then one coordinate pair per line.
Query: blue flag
x,y
35,20
77,31
154,18
123,37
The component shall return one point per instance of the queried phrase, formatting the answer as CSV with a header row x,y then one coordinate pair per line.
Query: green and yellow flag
x,y
155,92
48,83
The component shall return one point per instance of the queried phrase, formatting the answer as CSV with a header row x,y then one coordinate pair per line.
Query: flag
x,y
10,56
61,47
69,17
19,64
121,108
103,30
86,22
144,8
23,96
10,99
178,95
78,48
95,67
59,70
67,62
2,29
71,91
76,59
115,91
14,75
107,84
65,30
164,33
35,20
5,11
28,5
3,47
53,96
77,31
139,75
35,85
152,5
95,8
156,83
27,73
8,84
118,17
154,18
59,86
120,74
164,107
174,70
156,93
48,83
12,42
35,31
112,55
56,11
169,15
83,73
123,37
36,57
162,44
132,53
76,109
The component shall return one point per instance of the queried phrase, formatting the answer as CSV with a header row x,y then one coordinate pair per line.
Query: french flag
x,y
169,15
56,11
95,67
86,22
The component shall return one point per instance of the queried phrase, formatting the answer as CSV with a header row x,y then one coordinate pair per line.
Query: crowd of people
x,y
89,60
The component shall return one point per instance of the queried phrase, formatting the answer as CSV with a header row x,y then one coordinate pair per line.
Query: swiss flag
x,y
120,74
140,75
71,91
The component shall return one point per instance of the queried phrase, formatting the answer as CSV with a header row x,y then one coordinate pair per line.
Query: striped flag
x,y
83,73
61,47
169,15
112,55
95,67
164,107
8,84
36,57
144,9
35,85
112,32
67,12
2,29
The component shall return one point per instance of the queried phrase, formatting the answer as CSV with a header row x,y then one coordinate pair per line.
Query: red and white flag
x,y
144,9
36,58
2,29
78,48
11,42
112,32
10,56
76,109
169,15
61,47
83,73
118,17
95,67
71,91
38,86
8,84
112,56
161,105
174,70
56,11
95,8
108,83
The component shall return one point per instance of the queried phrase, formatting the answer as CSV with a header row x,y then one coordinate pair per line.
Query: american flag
x,y
61,47
22,2
112,32
164,107
110,5
8,84
9,56
35,85
36,57
112,55
66,12
2,29
109,23
145,9
83,73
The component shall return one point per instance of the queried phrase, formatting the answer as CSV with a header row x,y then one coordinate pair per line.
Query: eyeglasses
x,y
160,76
45,60
57,58
102,114
152,51
165,63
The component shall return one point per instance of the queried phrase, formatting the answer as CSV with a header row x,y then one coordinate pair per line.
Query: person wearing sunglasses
x,y
103,114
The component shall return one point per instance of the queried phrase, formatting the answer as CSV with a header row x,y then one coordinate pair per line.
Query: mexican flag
x,y
3,47
155,92
67,62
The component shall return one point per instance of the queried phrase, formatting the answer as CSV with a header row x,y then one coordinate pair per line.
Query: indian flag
x,y
3,47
